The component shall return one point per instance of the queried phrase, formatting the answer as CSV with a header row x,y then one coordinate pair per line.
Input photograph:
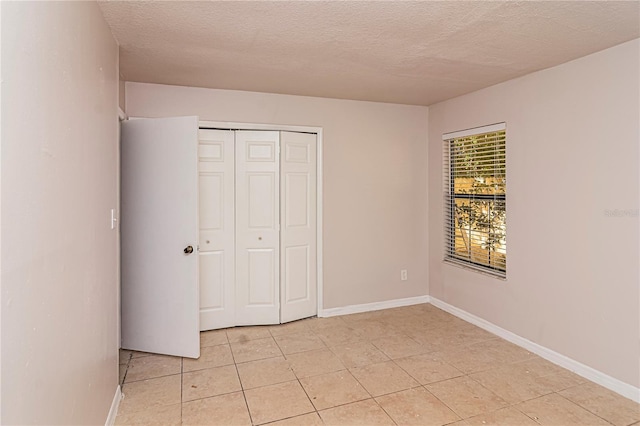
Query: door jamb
x,y
228,125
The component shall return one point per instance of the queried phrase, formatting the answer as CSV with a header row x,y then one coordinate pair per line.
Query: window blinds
x,y
475,198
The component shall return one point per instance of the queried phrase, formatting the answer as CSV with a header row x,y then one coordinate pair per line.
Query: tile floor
x,y
407,366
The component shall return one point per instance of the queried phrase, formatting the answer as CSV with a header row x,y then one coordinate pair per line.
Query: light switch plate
x,y
113,219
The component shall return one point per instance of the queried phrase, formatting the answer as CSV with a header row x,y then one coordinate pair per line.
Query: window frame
x,y
450,197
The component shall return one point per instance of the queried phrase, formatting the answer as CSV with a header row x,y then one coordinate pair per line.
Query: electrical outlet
x,y
403,275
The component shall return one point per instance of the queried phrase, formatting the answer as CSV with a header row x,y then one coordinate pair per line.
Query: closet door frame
x,y
226,125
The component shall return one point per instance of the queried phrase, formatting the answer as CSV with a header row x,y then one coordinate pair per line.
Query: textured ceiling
x,y
388,51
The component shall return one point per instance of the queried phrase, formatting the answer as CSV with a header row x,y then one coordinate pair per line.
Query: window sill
x,y
470,267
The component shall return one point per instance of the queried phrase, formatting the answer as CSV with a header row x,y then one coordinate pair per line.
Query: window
x,y
475,190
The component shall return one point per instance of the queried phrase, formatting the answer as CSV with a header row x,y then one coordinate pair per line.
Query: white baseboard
x,y
113,412
375,306
618,386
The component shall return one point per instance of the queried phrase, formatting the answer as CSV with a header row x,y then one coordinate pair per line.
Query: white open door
x,y
257,228
159,178
298,297
217,229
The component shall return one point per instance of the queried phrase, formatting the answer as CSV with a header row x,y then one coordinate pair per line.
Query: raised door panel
x,y
211,202
261,195
261,264
297,199
297,267
212,273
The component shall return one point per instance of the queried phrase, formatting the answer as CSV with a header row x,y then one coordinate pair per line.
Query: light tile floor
x,y
407,366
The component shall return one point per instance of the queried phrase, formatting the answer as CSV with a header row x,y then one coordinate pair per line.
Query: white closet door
x,y
159,172
298,219
257,228
217,228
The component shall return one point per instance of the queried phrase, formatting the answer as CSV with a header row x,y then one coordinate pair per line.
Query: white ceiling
x,y
389,51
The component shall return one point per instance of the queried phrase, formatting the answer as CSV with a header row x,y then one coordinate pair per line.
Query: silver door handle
x,y
188,250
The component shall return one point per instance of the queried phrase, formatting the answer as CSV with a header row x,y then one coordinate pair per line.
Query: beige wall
x,y
375,162
572,155
59,265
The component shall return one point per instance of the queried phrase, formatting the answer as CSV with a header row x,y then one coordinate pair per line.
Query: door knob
x,y
188,250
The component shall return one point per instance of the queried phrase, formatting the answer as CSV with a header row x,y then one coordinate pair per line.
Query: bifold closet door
x,y
257,228
216,174
298,297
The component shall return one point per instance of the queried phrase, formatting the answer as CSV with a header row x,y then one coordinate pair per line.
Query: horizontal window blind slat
x,y
466,156
499,197
463,160
472,157
476,156
485,143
